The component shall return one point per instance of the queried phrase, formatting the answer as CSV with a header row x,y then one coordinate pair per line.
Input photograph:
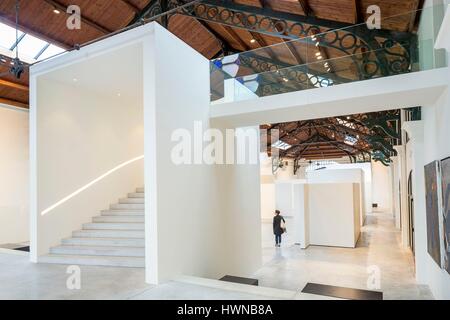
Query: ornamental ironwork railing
x,y
315,53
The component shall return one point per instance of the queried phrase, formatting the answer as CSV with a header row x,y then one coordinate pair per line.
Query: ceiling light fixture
x,y
252,41
56,11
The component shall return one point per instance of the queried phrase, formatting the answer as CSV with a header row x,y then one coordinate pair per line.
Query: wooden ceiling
x,y
212,39
359,137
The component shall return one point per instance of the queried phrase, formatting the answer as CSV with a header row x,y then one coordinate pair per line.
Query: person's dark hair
x,y
277,212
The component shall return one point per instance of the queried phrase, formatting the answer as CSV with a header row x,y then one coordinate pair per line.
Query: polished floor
x,y
378,252
285,273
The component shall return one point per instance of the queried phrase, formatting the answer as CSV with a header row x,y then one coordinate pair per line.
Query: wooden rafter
x,y
85,20
306,8
14,103
13,85
131,6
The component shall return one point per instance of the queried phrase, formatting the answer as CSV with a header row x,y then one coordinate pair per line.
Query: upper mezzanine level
x,y
354,68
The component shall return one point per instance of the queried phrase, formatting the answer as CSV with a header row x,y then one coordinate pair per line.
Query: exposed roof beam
x,y
357,8
412,22
290,17
13,85
85,20
33,32
236,37
131,6
226,48
306,8
144,12
14,103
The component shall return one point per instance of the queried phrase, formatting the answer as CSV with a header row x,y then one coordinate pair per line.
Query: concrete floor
x,y
290,267
286,269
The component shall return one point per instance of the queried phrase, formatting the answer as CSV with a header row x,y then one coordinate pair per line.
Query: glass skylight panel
x,y
350,140
50,52
7,36
281,145
30,46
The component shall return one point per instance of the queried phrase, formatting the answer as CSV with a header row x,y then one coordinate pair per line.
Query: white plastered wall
x,y
14,213
340,176
184,223
82,129
382,187
195,213
429,142
335,222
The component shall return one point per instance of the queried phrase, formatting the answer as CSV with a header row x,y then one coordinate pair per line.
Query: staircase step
x,y
132,200
136,195
109,242
133,262
134,234
98,251
115,219
140,190
123,212
113,226
128,206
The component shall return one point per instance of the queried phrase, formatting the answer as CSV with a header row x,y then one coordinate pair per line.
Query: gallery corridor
x,y
290,267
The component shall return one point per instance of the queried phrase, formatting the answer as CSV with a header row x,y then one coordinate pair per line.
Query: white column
x,y
395,178
401,220
415,132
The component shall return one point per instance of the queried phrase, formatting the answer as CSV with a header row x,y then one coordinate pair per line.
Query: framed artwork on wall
x,y
432,189
445,181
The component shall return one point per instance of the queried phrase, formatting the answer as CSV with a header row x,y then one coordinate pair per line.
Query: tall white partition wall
x,y
334,222
340,176
183,219
86,137
14,212
108,107
202,218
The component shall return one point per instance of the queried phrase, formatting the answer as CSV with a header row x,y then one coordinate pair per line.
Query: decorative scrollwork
x,y
371,55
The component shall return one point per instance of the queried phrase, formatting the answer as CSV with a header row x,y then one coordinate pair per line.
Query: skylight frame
x,y
35,54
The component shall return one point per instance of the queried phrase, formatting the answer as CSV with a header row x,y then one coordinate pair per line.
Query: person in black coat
x,y
278,228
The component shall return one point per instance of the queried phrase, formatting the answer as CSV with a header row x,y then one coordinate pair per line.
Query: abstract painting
x,y
432,202
445,178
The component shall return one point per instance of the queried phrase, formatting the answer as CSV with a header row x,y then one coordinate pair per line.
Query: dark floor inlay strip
x,y
341,292
26,249
248,281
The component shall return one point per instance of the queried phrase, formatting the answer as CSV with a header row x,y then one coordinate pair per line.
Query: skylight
x,y
350,140
31,48
281,145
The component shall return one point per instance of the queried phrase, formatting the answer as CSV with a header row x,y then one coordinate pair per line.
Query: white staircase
x,y
115,238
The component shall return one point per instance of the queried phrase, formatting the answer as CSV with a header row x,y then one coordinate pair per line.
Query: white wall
x,y
436,147
367,170
267,188
343,175
429,142
14,209
80,130
382,187
183,217
334,222
201,219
